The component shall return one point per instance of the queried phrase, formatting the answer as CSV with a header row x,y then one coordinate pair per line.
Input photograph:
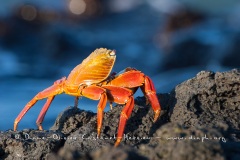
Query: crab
x,y
93,79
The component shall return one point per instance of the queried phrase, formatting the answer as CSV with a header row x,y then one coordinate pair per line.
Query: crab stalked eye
x,y
112,53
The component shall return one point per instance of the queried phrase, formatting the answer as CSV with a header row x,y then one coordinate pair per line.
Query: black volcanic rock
x,y
29,144
209,100
199,120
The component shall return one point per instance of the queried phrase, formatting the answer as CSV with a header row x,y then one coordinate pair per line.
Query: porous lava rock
x,y
199,120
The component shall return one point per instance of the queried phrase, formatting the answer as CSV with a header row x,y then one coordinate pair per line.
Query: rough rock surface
x,y
139,125
209,100
29,144
173,141
199,120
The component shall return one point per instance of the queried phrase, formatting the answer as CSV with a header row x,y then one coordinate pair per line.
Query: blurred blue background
x,y
169,40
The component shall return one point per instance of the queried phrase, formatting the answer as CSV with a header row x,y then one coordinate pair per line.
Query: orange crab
x,y
92,79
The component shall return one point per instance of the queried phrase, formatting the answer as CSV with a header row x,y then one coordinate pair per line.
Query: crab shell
x,y
94,69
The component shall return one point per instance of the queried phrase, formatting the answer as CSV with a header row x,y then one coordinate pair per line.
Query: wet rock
x,y
231,59
190,52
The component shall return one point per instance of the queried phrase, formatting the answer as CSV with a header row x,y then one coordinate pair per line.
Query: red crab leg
x,y
121,95
53,90
43,112
97,93
125,114
133,78
150,92
101,106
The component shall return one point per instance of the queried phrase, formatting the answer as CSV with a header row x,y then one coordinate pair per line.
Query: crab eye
x,y
112,53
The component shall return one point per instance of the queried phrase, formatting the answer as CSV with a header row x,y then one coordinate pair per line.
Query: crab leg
x,y
51,91
125,114
132,78
43,112
121,95
101,106
150,92
97,93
